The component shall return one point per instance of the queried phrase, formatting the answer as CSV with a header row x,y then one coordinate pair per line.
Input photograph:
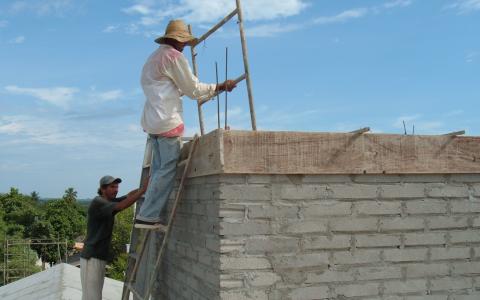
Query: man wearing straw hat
x,y
166,76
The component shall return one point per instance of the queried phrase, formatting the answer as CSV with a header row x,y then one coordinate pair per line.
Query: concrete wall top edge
x,y
281,152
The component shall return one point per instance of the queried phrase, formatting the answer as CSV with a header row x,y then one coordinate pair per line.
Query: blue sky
x,y
70,98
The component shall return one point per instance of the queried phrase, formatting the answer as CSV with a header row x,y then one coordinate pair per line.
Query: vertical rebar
x,y
218,97
226,92
195,72
245,63
58,248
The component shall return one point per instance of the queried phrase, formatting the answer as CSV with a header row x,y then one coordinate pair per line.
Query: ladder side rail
x,y
246,65
195,72
215,28
171,218
130,276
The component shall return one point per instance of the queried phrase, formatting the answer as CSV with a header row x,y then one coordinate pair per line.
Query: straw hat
x,y
177,30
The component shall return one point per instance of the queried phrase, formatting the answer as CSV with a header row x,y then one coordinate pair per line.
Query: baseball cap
x,y
107,179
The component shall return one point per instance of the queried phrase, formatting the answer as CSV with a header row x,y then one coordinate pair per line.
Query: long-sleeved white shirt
x,y
165,77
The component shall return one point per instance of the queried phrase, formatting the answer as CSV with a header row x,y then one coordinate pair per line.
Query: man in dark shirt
x,y
100,219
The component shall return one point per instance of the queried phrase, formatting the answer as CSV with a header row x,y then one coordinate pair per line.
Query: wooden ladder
x,y
134,257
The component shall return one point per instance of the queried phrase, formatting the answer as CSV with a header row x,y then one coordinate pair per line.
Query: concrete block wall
x,y
404,237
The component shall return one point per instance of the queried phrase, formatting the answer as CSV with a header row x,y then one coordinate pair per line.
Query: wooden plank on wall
x,y
270,152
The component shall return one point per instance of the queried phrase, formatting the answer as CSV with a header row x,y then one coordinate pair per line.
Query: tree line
x,y
65,219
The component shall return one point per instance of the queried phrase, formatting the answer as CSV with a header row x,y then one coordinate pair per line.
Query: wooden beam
x,y
263,152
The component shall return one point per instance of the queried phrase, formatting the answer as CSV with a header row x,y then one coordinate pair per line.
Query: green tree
x,y
35,197
120,238
67,221
20,211
70,195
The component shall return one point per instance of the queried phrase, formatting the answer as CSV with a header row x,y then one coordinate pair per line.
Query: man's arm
x,y
132,196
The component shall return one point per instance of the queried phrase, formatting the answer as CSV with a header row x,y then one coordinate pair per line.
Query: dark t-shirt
x,y
100,219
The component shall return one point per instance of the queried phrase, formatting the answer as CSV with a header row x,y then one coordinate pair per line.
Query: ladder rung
x,y
237,80
182,163
162,228
131,289
146,166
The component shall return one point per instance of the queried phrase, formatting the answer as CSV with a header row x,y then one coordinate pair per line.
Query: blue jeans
x,y
163,168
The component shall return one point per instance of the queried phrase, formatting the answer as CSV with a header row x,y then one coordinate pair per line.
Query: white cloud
x,y
397,3
138,8
58,96
200,11
110,29
18,40
465,6
110,95
471,56
343,16
268,30
42,7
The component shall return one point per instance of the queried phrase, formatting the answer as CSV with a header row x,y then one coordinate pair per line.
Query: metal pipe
x,y
195,72
218,98
247,68
215,28
226,91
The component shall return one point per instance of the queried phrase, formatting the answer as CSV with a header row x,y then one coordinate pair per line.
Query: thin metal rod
x,y
218,98
461,132
226,92
195,72
361,130
215,28
245,63
237,80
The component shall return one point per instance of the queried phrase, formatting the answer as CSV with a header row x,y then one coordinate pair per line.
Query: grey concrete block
x,y
449,253
447,222
299,227
357,257
353,191
466,268
271,244
244,263
309,292
405,255
426,206
246,228
451,283
378,273
407,286
342,224
465,236
422,270
356,290
377,240
401,191
327,276
447,190
426,238
304,192
272,211
378,207
317,260
326,208
324,242
245,192
465,206
401,224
